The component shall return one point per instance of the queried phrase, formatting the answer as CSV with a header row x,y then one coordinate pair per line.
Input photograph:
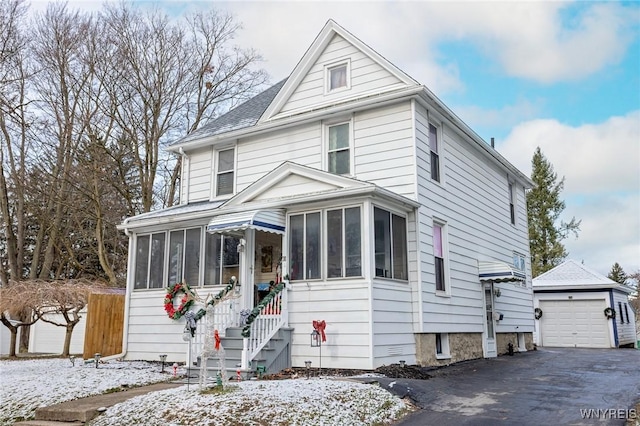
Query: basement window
x,y
442,346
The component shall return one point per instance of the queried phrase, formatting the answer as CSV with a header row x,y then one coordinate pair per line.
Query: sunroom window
x,y
344,243
304,246
390,245
149,261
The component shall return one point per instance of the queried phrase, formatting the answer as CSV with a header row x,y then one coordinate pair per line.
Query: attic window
x,y
337,77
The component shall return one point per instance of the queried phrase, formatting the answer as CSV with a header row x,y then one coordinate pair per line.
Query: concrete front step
x,y
84,409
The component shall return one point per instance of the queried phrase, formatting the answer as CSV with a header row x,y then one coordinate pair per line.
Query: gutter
x,y
277,203
295,120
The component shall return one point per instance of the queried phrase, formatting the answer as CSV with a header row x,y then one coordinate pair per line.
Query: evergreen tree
x,y
544,207
617,274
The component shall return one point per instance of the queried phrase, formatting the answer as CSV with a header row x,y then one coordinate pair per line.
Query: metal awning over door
x,y
261,220
499,272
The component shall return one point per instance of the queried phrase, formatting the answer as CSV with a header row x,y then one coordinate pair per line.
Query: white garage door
x,y
574,323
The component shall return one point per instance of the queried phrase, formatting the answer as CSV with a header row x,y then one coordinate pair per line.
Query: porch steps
x,y
275,356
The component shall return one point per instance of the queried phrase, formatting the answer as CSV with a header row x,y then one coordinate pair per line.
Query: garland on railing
x,y
246,331
217,298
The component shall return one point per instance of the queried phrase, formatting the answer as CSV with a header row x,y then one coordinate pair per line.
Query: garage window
x,y
620,311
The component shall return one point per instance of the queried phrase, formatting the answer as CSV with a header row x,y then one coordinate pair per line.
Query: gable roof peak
x,y
322,40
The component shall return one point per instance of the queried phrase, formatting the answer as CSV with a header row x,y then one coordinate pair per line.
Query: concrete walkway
x,y
79,411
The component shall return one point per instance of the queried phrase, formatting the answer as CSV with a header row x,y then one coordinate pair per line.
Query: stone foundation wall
x,y
528,341
503,340
462,346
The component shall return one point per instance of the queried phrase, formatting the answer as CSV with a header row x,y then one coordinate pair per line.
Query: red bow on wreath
x,y
319,326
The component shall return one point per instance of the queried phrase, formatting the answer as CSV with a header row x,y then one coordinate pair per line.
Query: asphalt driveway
x,y
550,386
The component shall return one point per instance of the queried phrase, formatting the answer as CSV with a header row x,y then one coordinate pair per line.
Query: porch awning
x,y
262,220
499,272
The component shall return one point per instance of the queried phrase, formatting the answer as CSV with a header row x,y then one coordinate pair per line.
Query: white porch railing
x,y
272,317
226,314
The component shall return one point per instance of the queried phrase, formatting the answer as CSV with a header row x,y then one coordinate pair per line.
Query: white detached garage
x,y
577,307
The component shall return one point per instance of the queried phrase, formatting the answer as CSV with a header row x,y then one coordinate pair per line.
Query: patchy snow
x,y
28,384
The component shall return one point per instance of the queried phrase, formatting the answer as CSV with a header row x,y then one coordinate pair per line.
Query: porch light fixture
x,y
498,292
163,358
316,342
96,358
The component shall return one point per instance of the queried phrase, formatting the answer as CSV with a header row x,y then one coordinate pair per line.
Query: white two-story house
x,y
383,214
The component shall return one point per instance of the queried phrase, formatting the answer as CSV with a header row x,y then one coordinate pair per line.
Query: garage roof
x,y
574,275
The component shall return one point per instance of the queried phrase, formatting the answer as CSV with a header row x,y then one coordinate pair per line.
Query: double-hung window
x,y
344,243
338,149
512,203
438,256
435,152
304,246
390,241
225,172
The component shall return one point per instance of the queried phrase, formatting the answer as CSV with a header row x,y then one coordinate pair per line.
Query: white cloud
x,y
594,158
601,166
609,232
504,117
532,40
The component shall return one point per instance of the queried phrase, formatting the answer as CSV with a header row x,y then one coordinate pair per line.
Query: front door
x,y
490,350
268,252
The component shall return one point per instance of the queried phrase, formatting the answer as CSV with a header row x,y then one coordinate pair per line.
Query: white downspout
x,y
127,299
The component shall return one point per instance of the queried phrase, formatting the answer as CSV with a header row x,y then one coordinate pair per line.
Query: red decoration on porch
x,y
217,337
319,326
185,303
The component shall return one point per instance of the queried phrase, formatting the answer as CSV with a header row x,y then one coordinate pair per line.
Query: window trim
x,y
217,172
346,62
325,146
438,152
444,232
512,190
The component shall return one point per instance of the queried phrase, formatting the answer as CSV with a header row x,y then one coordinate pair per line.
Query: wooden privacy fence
x,y
105,323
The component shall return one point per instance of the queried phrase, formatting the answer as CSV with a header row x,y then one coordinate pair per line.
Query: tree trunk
x,y
67,339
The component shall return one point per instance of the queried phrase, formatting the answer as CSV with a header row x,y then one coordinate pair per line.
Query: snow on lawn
x,y
318,401
28,384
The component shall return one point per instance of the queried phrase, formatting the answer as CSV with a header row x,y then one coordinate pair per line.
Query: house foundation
x,y
503,340
455,347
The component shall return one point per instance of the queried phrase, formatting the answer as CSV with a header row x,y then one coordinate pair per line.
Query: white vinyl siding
x,y
467,198
384,148
626,330
345,308
366,76
198,166
259,155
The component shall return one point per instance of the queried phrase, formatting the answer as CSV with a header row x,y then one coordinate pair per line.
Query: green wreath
x,y
537,313
185,303
609,313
